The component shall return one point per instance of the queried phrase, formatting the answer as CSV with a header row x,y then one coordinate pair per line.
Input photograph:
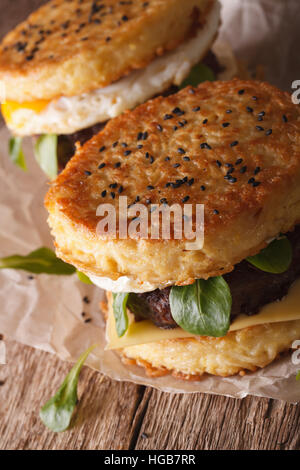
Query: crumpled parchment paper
x,y
46,312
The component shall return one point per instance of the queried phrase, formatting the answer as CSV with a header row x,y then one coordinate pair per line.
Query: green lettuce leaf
x,y
198,74
39,261
275,258
16,153
202,308
45,151
57,413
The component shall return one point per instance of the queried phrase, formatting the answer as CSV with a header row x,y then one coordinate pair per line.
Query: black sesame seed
x,y
226,124
239,160
241,92
284,118
202,187
118,164
139,146
137,199
151,159
112,195
191,91
205,145
145,136
88,173
228,165
175,128
88,320
176,165
229,111
127,152
185,199
102,165
139,136
167,159
251,180
260,118
190,182
269,132
86,300
102,149
254,98
255,183
249,109
231,170
147,155
243,169
120,190
257,170
215,211
262,113
113,185
180,150
163,200
197,108
219,164
150,187
182,123
115,144
205,121
148,201
159,127
29,57
185,179
168,116
125,18
124,145
232,179
234,143
178,111
108,39
103,194
259,128
186,159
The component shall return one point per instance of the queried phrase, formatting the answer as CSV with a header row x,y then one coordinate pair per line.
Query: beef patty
x,y
250,288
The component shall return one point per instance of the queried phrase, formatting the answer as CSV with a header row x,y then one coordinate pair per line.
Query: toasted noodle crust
x,y
247,216
189,358
73,46
243,350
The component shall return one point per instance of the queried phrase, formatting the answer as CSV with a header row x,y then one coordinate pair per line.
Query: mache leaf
x,y
83,278
45,151
202,308
120,312
198,74
16,152
275,258
39,261
57,413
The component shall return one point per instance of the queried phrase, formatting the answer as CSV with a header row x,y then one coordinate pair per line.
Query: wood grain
x,y
112,415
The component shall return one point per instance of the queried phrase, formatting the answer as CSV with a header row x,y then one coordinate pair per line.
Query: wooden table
x,y
113,415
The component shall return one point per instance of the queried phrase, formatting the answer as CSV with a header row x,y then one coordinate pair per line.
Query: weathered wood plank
x,y
113,415
104,415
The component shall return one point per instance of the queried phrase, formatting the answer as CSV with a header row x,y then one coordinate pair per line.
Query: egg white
x,y
67,115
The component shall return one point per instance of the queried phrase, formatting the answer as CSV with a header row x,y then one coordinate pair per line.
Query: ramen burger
x,y
231,305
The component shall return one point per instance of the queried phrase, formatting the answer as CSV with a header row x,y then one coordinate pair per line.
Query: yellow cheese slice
x,y
145,331
10,107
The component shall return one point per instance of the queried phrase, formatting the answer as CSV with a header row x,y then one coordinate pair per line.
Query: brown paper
x,y
46,312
